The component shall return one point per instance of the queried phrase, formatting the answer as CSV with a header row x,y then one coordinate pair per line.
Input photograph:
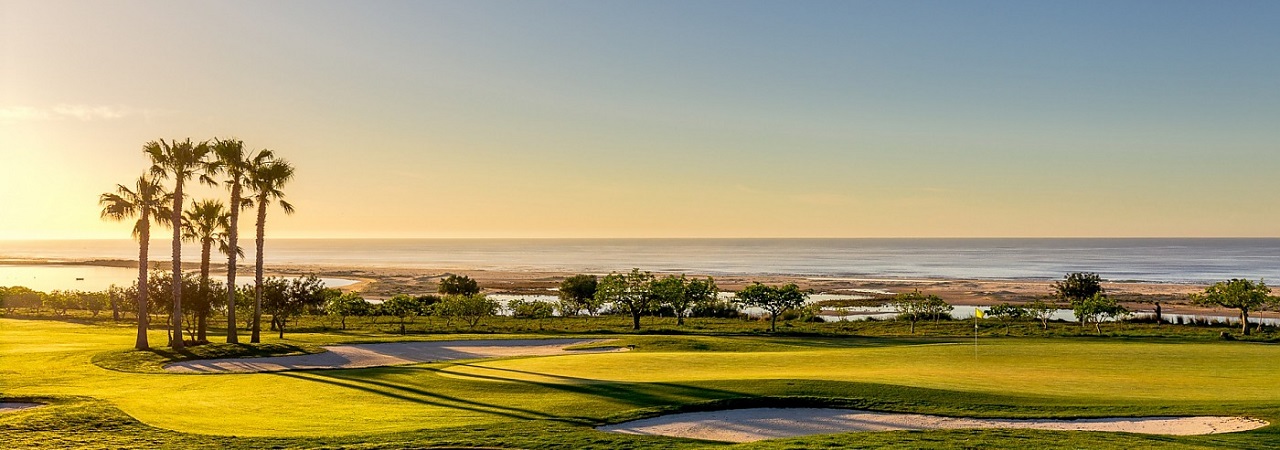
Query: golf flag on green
x,y
979,313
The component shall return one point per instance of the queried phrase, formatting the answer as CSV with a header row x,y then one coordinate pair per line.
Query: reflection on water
x,y
93,278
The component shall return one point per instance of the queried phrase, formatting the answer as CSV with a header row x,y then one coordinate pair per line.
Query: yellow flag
x,y
978,312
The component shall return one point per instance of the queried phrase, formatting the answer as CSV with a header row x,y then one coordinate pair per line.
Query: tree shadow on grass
x,y
420,396
640,395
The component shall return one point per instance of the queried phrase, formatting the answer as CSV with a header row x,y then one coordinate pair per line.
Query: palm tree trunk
x,y
144,238
233,237
1244,321
257,274
206,303
176,339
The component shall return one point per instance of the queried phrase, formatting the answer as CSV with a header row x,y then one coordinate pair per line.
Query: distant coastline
x,y
1147,260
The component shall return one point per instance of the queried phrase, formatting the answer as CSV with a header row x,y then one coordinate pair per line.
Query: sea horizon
x,y
1172,260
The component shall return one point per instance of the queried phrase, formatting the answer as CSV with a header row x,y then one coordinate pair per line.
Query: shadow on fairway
x,y
640,395
412,394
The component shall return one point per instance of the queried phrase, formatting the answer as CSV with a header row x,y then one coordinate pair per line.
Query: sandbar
x,y
754,424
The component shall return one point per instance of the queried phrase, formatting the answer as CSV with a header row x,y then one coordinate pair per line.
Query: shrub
x,y
531,309
719,309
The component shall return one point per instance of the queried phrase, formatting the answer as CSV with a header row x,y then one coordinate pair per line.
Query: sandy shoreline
x,y
748,425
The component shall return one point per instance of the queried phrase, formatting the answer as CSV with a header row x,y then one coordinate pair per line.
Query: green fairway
x,y
566,395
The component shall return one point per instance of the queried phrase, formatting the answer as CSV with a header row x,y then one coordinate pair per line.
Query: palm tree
x,y
231,159
205,222
146,202
180,161
266,179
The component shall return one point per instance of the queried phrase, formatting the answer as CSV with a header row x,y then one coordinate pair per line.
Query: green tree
x,y
180,161
915,306
531,309
702,292
59,301
1078,287
629,292
578,293
94,302
909,307
402,306
1097,309
286,299
160,293
115,295
1041,311
231,159
458,285
206,223
22,297
245,303
266,179
936,308
1236,293
1007,313
470,308
670,291
147,202
681,294
773,299
347,304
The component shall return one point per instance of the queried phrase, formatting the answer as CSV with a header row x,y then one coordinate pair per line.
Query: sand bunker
x,y
15,406
390,354
747,425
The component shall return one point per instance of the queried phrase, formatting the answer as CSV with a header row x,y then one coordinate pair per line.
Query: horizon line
x,y
478,238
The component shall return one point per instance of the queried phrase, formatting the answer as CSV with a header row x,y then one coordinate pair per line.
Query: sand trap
x,y
390,354
747,425
15,406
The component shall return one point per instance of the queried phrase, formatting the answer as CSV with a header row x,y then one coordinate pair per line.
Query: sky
x,y
662,118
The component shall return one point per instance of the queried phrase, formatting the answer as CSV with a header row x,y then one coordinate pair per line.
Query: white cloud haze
x,y
73,111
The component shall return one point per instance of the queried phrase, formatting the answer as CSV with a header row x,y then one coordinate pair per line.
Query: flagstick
x,y
975,334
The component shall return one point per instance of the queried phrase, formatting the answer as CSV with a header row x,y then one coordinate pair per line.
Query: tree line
x,y
1084,295
251,177
636,294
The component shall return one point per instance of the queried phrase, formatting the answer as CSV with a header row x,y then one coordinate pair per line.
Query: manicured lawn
x,y
552,402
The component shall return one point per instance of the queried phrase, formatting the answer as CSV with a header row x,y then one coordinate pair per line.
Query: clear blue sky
x,y
713,118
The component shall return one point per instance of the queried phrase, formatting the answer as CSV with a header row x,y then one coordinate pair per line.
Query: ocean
x,y
1115,259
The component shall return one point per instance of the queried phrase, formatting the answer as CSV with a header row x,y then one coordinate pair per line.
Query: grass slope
x,y
552,402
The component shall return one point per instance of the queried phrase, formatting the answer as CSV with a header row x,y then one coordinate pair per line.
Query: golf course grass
x,y
555,401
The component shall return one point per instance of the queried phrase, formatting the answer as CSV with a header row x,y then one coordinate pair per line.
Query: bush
x,y
719,309
458,285
531,309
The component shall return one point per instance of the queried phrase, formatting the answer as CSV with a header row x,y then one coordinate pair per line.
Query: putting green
x,y
43,358
1075,369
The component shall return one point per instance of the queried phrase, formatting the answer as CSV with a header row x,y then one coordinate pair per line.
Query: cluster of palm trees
x,y
252,177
